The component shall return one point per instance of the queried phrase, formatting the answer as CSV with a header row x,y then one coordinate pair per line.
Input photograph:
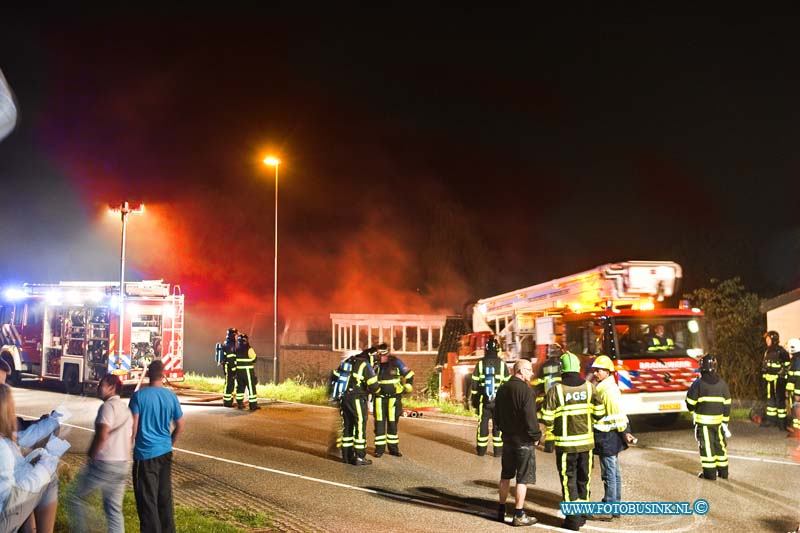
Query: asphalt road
x,y
282,454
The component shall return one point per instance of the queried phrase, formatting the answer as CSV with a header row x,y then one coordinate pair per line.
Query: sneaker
x,y
523,520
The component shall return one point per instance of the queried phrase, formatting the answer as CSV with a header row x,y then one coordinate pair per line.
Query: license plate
x,y
669,407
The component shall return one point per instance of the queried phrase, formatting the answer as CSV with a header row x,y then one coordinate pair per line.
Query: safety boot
x,y
254,406
395,452
360,461
227,404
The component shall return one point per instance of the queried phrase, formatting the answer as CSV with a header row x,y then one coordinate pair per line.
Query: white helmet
x,y
793,345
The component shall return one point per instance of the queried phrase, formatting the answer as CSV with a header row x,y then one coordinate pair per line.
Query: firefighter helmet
x,y
570,362
708,364
492,347
604,362
383,348
793,345
554,350
774,337
243,338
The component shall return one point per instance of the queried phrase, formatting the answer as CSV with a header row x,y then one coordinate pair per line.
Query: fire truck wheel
x,y
72,383
13,379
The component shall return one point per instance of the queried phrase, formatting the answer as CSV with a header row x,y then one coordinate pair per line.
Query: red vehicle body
x,y
612,309
67,331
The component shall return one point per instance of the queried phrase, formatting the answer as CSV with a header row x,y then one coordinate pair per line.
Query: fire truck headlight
x,y
53,298
95,296
693,326
14,294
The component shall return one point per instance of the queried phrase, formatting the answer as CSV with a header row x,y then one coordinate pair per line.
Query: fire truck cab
x,y
68,331
612,309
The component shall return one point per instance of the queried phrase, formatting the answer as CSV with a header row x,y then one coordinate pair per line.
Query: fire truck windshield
x,y
658,337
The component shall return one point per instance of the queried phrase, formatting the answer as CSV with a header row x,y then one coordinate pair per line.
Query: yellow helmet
x,y
604,362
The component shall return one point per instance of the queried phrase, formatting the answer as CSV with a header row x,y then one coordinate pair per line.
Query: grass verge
x,y
187,519
300,392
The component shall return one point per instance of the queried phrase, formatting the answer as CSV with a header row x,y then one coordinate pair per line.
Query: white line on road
x,y
743,457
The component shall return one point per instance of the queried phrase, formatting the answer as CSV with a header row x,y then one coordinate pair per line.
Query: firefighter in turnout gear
x,y
394,379
710,401
774,368
360,382
245,373
550,375
659,341
793,384
489,374
227,358
569,410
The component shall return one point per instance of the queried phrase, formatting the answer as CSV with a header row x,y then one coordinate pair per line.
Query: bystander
x,y
155,410
515,416
109,459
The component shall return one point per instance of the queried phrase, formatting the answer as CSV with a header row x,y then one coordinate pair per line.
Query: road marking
x,y
743,457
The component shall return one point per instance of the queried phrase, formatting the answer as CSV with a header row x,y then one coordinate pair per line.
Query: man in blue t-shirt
x,y
154,410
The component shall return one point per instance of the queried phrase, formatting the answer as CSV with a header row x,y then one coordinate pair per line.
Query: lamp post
x,y
124,209
275,162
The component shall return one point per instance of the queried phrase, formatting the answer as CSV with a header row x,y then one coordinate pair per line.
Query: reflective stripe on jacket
x,y
569,411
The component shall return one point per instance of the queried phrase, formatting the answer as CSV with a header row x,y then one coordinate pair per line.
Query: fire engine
x,y
612,309
68,331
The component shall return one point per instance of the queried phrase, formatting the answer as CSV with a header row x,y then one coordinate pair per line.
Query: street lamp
x,y
124,209
271,161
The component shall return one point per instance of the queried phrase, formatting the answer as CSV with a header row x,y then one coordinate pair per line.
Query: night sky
x,y
430,157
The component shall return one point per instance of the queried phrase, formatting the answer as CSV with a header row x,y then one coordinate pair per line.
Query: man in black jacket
x,y
515,415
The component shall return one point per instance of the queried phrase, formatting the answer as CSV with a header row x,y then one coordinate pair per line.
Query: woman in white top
x,y
28,484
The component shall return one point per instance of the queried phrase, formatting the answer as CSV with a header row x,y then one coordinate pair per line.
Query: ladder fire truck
x,y
612,309
67,331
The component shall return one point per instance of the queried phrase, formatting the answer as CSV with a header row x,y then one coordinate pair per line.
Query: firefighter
x,y
550,375
360,381
612,433
394,379
773,371
568,411
659,341
226,356
793,384
245,373
489,374
710,401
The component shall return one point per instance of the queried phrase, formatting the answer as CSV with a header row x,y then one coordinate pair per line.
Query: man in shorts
x,y
515,415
